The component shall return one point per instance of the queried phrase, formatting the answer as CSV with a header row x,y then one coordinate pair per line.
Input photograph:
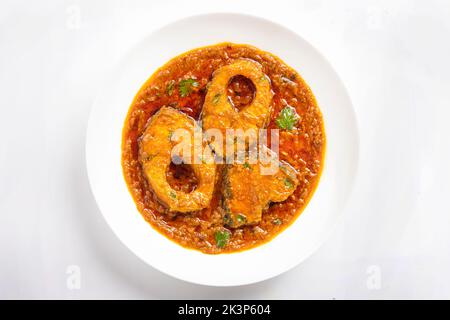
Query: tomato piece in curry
x,y
182,84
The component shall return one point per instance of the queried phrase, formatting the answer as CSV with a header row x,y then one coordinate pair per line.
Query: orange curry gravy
x,y
302,147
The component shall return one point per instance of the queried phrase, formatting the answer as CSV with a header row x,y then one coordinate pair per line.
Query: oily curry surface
x,y
190,89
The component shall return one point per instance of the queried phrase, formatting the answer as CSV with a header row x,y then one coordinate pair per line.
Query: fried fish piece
x,y
240,196
219,113
246,192
155,155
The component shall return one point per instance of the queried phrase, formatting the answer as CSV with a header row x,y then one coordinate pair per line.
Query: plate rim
x,y
355,170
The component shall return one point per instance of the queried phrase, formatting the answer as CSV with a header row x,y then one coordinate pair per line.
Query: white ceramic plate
x,y
296,243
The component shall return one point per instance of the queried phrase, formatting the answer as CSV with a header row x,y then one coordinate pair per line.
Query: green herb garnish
x,y
170,87
247,166
241,218
216,98
287,118
186,86
173,195
222,238
277,221
288,183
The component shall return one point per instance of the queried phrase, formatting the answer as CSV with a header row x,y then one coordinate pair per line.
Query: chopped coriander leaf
x,y
287,118
170,87
216,98
241,218
288,183
170,135
173,195
277,221
186,86
222,238
247,166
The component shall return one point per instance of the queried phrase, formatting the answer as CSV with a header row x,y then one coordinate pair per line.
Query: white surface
x,y
302,238
394,59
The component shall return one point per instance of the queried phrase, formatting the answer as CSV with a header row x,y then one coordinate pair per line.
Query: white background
x,y
393,56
